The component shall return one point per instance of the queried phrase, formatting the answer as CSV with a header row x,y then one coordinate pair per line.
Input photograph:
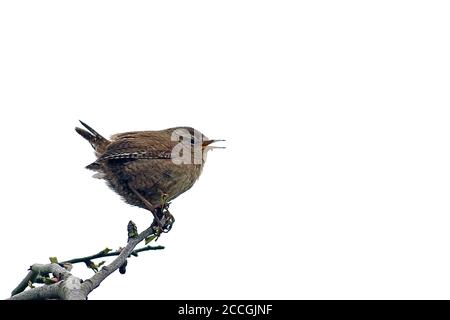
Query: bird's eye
x,y
192,140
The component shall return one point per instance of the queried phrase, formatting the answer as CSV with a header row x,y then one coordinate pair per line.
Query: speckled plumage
x,y
142,160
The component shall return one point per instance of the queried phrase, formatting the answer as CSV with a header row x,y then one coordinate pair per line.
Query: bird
x,y
149,169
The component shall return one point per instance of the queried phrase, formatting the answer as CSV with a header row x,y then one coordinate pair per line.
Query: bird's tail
x,y
97,142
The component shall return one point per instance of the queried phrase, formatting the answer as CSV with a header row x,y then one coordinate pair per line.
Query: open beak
x,y
206,143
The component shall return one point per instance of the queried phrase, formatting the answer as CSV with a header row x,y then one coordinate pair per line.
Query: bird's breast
x,y
155,179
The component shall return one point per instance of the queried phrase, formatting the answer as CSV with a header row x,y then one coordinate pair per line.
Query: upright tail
x,y
97,142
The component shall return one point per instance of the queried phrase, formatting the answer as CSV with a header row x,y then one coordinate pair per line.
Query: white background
x,y
336,179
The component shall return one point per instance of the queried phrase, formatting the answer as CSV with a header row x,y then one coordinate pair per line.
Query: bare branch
x,y
35,271
40,293
69,287
97,278
30,277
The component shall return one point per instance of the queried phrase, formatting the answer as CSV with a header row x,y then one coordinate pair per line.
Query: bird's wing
x,y
137,149
142,134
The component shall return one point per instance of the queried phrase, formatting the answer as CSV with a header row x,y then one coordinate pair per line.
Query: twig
x,y
103,254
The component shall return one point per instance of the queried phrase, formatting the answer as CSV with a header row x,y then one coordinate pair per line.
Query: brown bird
x,y
148,169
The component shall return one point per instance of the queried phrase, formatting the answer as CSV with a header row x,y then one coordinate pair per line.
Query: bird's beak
x,y
206,143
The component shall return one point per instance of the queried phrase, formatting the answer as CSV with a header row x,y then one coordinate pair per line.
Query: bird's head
x,y
198,143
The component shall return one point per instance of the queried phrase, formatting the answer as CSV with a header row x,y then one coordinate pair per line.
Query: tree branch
x,y
30,278
69,287
40,293
97,278
37,270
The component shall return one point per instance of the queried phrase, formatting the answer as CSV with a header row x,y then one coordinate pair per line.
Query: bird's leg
x,y
166,217
163,218
150,207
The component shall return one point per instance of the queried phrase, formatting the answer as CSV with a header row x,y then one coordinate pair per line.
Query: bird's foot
x,y
168,220
164,220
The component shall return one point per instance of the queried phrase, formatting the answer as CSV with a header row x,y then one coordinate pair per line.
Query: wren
x,y
148,169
